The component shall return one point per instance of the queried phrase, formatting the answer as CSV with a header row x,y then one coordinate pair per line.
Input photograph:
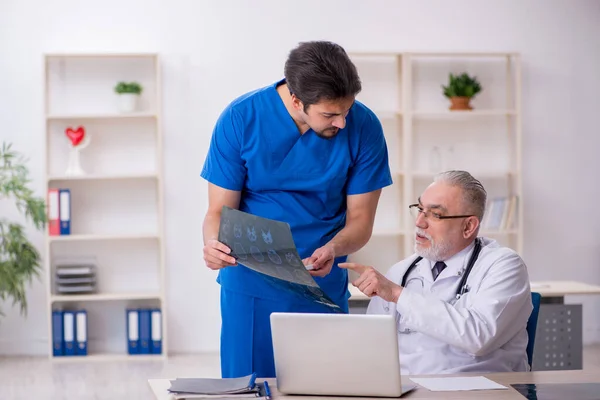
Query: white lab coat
x,y
484,331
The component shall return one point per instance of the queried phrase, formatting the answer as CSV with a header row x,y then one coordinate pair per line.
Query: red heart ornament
x,y
75,135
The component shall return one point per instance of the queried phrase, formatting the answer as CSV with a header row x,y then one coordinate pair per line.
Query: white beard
x,y
437,251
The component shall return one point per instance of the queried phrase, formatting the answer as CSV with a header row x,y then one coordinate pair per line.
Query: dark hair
x,y
321,70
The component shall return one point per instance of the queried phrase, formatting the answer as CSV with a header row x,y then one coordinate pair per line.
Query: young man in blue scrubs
x,y
301,150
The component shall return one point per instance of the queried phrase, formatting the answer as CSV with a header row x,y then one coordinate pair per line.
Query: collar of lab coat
x,y
455,264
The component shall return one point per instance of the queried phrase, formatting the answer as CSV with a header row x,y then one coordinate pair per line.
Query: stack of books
x,y
226,388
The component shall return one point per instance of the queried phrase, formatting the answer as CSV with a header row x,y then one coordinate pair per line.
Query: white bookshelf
x,y
117,207
404,90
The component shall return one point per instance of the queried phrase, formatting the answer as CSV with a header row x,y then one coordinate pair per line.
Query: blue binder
x,y
144,329
57,333
69,332
65,211
81,332
133,329
156,332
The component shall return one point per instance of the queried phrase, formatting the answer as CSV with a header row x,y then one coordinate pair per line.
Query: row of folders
x,y
144,331
59,212
70,332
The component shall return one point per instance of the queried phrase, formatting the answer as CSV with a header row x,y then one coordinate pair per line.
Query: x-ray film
x,y
267,246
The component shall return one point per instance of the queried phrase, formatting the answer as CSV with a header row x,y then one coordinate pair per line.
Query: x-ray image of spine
x,y
285,274
291,259
267,247
237,231
226,227
256,253
316,291
273,256
303,278
240,251
226,241
267,236
251,232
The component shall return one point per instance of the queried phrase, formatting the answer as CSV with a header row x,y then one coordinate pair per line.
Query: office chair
x,y
532,325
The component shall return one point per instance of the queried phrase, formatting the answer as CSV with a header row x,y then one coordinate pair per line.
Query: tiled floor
x,y
34,378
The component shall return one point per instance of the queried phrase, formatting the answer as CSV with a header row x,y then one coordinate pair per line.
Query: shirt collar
x,y
457,262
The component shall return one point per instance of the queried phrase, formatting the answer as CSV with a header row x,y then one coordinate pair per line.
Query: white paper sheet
x,y
458,383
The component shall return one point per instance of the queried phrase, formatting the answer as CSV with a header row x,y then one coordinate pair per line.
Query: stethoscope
x,y
462,287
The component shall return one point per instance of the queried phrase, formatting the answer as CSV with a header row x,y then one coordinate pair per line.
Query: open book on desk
x,y
214,388
267,247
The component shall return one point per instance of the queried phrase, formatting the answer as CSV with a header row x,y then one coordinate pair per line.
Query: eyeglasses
x,y
416,210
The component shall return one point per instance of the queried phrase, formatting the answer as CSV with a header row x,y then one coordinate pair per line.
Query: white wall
x,y
212,54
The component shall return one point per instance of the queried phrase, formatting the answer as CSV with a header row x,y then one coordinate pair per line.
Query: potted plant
x,y
19,259
460,90
128,94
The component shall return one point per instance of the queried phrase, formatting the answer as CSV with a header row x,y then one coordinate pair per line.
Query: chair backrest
x,y
532,325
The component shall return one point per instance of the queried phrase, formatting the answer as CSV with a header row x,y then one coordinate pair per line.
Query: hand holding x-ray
x,y
267,247
321,261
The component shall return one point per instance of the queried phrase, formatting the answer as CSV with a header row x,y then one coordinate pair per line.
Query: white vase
x,y
127,102
74,166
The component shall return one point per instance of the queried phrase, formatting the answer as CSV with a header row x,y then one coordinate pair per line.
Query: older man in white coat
x,y
445,325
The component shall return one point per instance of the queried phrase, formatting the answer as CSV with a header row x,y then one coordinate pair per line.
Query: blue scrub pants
x,y
246,345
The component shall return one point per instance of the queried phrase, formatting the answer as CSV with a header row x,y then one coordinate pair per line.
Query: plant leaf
x,y
20,261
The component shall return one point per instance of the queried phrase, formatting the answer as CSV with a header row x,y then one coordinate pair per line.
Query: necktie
x,y
437,269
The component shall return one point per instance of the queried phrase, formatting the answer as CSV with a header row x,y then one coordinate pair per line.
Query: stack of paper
x,y
448,384
227,388
75,279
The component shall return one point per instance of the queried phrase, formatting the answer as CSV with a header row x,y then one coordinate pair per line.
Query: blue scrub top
x,y
303,180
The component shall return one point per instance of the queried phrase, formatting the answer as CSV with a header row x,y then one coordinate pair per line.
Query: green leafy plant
x,y
128,87
461,85
19,259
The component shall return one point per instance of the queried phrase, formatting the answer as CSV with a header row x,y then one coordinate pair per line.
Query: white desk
x,y
555,291
160,386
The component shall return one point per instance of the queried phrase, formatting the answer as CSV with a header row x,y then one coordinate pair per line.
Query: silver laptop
x,y
337,354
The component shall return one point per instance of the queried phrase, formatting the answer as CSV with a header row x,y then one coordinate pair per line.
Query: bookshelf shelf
x,y
464,54
424,138
116,211
104,297
132,115
110,357
102,237
457,115
97,177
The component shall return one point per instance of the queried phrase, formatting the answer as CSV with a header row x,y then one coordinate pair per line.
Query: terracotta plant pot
x,y
460,103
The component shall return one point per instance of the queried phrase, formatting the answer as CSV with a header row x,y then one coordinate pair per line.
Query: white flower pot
x,y
127,102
